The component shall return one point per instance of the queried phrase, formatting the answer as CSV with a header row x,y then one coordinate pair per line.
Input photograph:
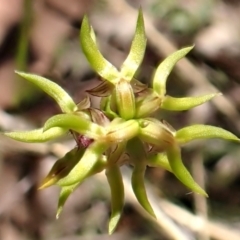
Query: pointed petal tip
x,y
58,212
47,182
203,193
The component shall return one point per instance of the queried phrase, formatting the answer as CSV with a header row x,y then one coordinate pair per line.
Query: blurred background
x,y
41,36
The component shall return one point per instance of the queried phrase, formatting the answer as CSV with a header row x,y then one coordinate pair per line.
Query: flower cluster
x,y
123,129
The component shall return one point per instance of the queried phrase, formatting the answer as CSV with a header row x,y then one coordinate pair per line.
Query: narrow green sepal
x,y
67,190
104,68
139,189
63,196
36,135
181,104
180,171
159,160
89,164
62,167
138,158
62,98
165,68
137,50
125,99
199,131
115,182
76,123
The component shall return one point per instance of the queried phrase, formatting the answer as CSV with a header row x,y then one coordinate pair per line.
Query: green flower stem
x,y
115,182
199,131
138,158
180,171
62,98
181,104
36,135
86,165
76,123
159,160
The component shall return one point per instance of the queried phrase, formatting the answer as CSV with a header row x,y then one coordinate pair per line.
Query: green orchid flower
x,y
123,129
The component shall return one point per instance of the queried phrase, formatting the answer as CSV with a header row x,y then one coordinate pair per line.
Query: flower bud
x,y
125,99
146,105
156,133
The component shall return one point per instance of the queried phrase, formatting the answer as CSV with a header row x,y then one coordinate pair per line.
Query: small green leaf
x,y
76,123
159,160
36,135
181,104
104,68
89,164
135,57
164,69
180,171
115,182
62,98
125,99
194,132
